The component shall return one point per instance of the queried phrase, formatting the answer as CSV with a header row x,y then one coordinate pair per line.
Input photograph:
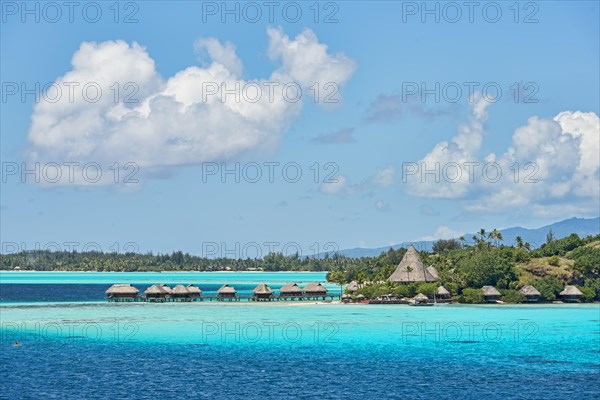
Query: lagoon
x,y
79,349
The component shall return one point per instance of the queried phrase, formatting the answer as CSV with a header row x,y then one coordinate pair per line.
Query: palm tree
x,y
408,271
482,233
519,241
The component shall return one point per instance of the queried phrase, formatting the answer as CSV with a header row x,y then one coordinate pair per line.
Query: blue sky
x,y
369,142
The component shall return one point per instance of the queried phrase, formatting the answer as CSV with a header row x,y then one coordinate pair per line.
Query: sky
x,y
239,128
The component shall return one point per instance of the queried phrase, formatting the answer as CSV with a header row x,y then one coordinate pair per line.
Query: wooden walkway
x,y
168,299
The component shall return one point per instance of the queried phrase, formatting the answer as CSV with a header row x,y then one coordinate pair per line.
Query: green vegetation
x,y
471,296
463,269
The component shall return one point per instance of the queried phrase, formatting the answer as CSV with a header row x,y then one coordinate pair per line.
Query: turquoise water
x,y
80,349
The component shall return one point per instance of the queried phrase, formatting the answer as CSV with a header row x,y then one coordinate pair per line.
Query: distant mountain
x,y
536,237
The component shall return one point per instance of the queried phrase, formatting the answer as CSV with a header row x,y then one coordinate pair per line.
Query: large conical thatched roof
x,y
411,269
571,290
263,288
226,289
180,290
490,291
352,286
530,291
290,288
442,291
314,287
193,289
122,289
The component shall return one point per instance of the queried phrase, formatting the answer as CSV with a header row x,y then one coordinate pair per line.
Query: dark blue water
x,y
94,370
42,292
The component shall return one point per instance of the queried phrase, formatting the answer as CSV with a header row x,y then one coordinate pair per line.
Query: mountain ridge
x,y
534,236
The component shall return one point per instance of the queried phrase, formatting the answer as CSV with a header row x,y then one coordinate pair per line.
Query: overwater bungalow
x,y
227,292
411,269
442,295
531,294
262,293
315,290
157,293
290,291
122,292
180,292
194,291
491,294
571,294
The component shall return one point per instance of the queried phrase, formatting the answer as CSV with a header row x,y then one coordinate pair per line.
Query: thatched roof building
x,y
193,290
352,286
315,288
226,291
290,289
411,269
122,291
442,293
490,293
421,298
180,291
262,291
157,291
433,272
166,288
531,293
571,293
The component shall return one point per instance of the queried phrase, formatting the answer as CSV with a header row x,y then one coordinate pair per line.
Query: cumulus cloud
x,y
551,163
185,119
443,232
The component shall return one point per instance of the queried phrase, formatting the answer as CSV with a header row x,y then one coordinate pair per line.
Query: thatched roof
x,y
571,290
263,288
433,272
411,269
421,297
360,296
314,287
193,289
122,289
180,290
226,289
530,291
490,291
352,286
157,289
166,288
442,291
290,288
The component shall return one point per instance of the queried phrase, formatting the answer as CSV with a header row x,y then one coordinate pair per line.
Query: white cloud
x,y
338,186
175,121
307,61
556,159
382,178
385,177
443,232
451,160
